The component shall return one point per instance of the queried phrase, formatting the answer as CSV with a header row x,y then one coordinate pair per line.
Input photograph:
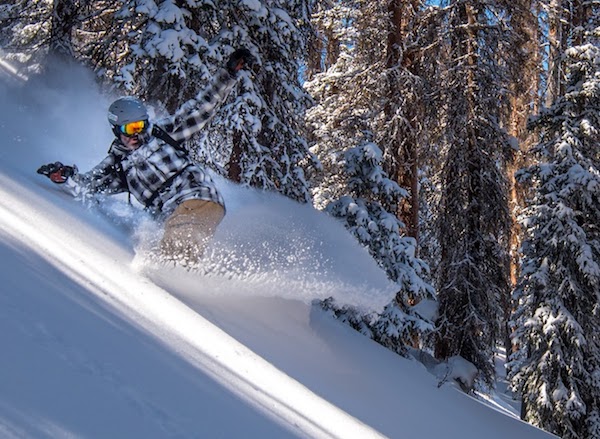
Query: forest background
x,y
459,141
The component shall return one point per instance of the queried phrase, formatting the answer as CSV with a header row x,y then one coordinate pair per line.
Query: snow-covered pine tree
x,y
473,221
35,34
363,213
349,114
335,121
358,93
266,123
556,367
403,137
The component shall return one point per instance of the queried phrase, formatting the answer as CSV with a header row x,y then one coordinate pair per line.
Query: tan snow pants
x,y
189,229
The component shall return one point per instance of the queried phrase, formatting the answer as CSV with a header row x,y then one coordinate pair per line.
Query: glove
x,y
57,172
238,60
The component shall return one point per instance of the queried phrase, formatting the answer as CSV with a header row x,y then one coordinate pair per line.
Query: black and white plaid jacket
x,y
157,174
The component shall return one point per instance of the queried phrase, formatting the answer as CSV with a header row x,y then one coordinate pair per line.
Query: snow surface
x,y
97,342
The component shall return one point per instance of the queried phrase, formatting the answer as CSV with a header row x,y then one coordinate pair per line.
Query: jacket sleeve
x,y
196,113
105,178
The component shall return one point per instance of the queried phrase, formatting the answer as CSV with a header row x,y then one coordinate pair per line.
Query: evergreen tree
x,y
36,33
556,367
339,119
355,99
363,214
368,94
404,135
23,29
473,223
522,51
556,32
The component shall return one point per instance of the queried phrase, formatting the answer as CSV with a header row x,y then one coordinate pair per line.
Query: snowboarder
x,y
148,160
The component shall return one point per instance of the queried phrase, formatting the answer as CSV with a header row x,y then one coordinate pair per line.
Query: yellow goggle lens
x,y
132,128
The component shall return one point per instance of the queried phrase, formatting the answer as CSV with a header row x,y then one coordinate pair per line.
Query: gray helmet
x,y
126,110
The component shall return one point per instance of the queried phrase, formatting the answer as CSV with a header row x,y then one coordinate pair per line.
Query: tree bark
x,y
234,167
403,148
64,20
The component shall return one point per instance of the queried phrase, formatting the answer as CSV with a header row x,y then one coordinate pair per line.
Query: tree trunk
x,y
525,65
64,20
403,148
557,40
234,167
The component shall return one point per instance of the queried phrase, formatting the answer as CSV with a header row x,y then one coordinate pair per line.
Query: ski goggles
x,y
133,128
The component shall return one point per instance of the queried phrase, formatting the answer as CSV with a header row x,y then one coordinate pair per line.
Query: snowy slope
x,y
97,342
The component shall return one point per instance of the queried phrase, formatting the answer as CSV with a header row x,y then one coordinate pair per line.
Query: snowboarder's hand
x,y
241,58
57,172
